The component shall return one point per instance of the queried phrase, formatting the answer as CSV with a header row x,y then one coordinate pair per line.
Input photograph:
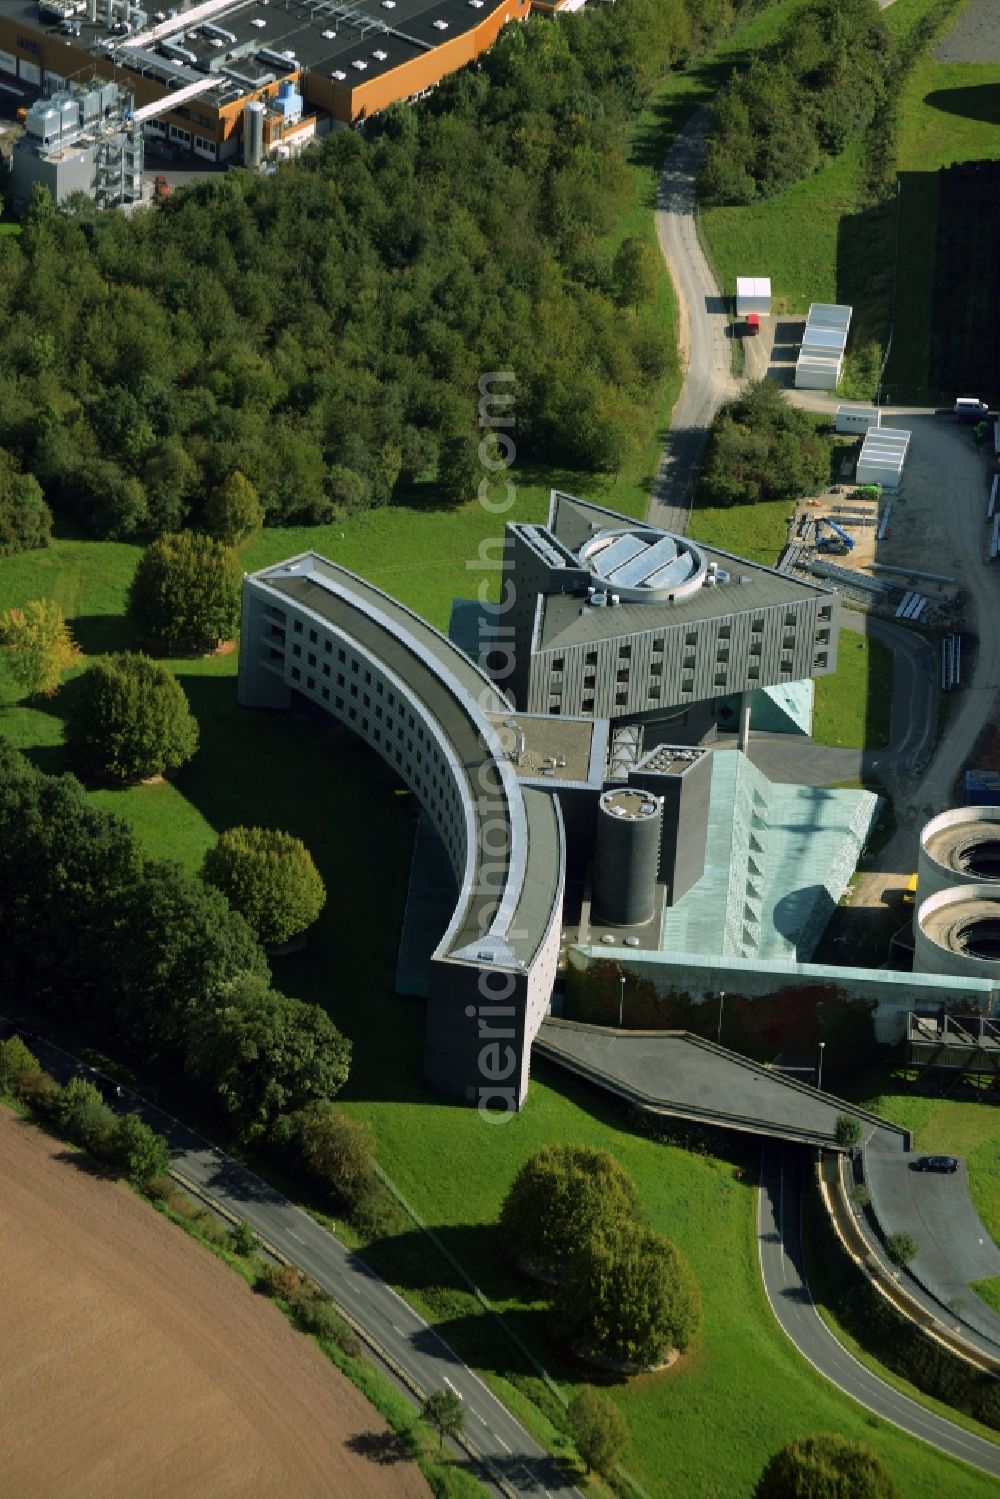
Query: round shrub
x,y
270,878
560,1200
130,718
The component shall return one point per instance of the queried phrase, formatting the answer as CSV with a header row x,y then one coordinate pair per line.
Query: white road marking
x,y
452,1387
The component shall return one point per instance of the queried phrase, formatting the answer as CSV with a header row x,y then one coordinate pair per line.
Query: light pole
x,y
718,1031
621,999
819,1069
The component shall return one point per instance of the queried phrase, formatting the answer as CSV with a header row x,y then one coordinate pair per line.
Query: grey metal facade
x,y
580,648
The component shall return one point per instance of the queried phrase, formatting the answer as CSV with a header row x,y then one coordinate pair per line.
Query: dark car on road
x,y
935,1163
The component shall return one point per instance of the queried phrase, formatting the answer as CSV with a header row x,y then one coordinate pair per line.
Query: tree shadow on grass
x,y
102,634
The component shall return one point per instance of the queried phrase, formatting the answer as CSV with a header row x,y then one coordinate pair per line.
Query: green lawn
x,y
852,706
756,532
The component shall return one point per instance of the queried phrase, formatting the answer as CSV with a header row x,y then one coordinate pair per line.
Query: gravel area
x,y
975,36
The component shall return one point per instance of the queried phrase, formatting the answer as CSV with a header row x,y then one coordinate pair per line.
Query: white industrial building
x,y
753,294
821,355
856,420
81,138
882,456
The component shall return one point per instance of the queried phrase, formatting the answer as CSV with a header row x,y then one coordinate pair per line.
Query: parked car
x,y
935,1163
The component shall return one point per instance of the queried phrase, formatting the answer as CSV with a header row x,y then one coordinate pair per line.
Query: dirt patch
x,y
134,1363
975,36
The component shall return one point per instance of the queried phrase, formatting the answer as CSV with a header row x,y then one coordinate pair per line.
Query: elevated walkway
x,y
676,1073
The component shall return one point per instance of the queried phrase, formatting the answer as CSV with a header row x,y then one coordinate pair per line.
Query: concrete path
x,y
779,1245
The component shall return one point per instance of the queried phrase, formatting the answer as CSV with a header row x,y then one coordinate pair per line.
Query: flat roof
x,y
753,286
556,749
326,37
566,619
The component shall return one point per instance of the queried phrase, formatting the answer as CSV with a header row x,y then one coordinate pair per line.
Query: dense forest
x,y
800,101
322,330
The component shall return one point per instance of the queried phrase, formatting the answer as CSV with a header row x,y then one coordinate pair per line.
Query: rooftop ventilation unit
x,y
329,35
280,59
339,74
379,54
259,22
440,25
360,64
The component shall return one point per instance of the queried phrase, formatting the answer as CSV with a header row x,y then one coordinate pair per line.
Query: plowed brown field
x,y
135,1364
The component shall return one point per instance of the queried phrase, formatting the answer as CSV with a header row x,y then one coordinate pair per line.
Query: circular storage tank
x,y
626,857
961,847
957,932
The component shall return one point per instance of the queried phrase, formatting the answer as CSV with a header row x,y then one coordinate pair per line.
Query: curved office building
x,y
313,628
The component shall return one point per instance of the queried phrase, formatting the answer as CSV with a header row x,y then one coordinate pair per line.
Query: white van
x,y
970,409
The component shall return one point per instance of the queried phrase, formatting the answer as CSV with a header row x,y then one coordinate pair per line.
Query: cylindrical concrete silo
x,y
960,847
626,857
957,931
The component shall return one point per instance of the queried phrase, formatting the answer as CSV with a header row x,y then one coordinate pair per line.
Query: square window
x,y
691,638
588,705
621,698
558,663
590,659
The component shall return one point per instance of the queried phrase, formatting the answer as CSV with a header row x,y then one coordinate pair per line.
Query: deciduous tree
x,y
337,1151
130,718
38,646
635,271
564,1197
233,511
270,878
630,1299
599,1429
825,1467
138,1151
262,1053
185,594
443,1410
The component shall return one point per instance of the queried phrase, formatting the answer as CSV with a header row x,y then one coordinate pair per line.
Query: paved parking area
x,y
954,1247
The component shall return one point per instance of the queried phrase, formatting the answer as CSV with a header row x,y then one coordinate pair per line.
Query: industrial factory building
x,y
302,64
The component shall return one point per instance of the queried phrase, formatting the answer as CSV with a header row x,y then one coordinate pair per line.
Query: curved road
x,y
779,1244
513,1456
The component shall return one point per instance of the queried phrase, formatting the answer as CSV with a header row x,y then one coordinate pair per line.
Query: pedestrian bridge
x,y
687,1077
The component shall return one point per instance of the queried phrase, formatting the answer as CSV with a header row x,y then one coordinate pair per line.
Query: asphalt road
x,y
702,343
406,1337
780,1248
